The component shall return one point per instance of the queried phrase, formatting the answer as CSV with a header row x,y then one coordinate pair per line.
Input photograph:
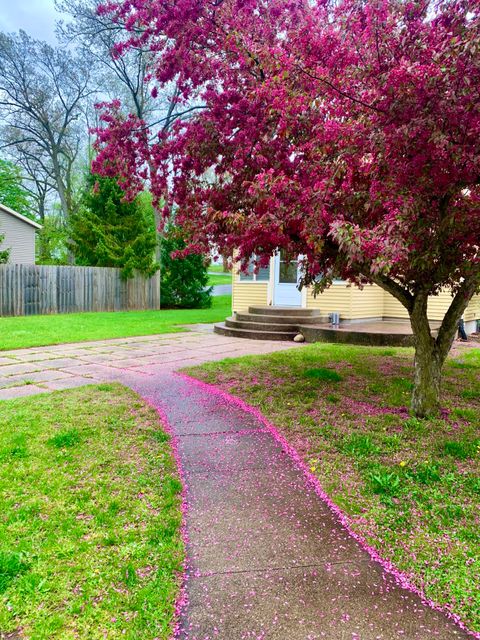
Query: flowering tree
x,y
346,131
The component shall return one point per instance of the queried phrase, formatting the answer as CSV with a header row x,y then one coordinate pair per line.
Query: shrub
x,y
183,279
4,253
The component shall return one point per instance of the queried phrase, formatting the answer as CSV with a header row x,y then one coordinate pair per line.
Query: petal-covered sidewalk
x,y
267,559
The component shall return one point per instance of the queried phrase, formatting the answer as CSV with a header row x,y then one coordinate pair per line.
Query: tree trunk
x,y
61,188
158,234
65,201
40,244
428,362
427,379
430,352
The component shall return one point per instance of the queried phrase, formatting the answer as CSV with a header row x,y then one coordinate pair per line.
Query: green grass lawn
x,y
35,331
89,526
220,278
410,487
217,268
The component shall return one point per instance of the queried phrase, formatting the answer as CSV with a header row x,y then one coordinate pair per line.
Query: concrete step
x,y
284,311
255,334
283,319
270,325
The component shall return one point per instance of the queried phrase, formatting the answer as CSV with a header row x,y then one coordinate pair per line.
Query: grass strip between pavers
x,y
410,488
90,543
39,331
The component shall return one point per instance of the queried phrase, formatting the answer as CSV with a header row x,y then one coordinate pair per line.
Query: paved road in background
x,y
222,290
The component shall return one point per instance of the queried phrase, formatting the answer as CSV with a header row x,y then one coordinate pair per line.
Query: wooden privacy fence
x,y
32,289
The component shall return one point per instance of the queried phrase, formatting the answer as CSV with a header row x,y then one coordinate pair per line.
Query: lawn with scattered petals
x,y
90,544
410,487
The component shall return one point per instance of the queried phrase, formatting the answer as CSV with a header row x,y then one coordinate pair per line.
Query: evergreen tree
x,y
183,280
109,231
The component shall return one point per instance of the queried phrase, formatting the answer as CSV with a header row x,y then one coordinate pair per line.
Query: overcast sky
x,y
36,17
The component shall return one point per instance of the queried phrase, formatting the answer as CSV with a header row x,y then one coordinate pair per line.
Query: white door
x,y
287,277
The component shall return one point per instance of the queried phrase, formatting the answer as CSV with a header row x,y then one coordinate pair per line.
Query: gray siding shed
x,y
19,235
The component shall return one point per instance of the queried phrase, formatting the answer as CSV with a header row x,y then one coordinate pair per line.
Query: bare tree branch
x,y
42,92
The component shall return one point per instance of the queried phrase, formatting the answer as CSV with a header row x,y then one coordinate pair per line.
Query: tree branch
x,y
450,321
396,290
339,91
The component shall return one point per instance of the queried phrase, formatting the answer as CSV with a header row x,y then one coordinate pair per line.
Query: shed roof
x,y
19,216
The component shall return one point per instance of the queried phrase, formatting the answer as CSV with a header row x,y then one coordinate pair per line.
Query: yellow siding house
x,y
276,286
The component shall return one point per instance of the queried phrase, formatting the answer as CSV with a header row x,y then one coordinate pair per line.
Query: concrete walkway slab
x,y
18,368
66,383
279,521
267,560
46,375
337,602
20,392
230,452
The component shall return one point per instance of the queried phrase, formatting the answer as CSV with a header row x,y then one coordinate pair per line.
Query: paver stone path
x,y
267,560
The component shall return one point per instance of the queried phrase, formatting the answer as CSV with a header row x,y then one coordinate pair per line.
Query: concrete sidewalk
x,y
266,558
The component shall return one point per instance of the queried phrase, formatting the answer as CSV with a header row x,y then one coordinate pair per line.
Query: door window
x,y
288,272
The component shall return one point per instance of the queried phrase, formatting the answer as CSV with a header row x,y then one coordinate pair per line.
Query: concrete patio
x,y
376,333
25,372
284,323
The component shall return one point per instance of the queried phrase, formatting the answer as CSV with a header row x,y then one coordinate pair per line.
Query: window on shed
x,y
263,274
